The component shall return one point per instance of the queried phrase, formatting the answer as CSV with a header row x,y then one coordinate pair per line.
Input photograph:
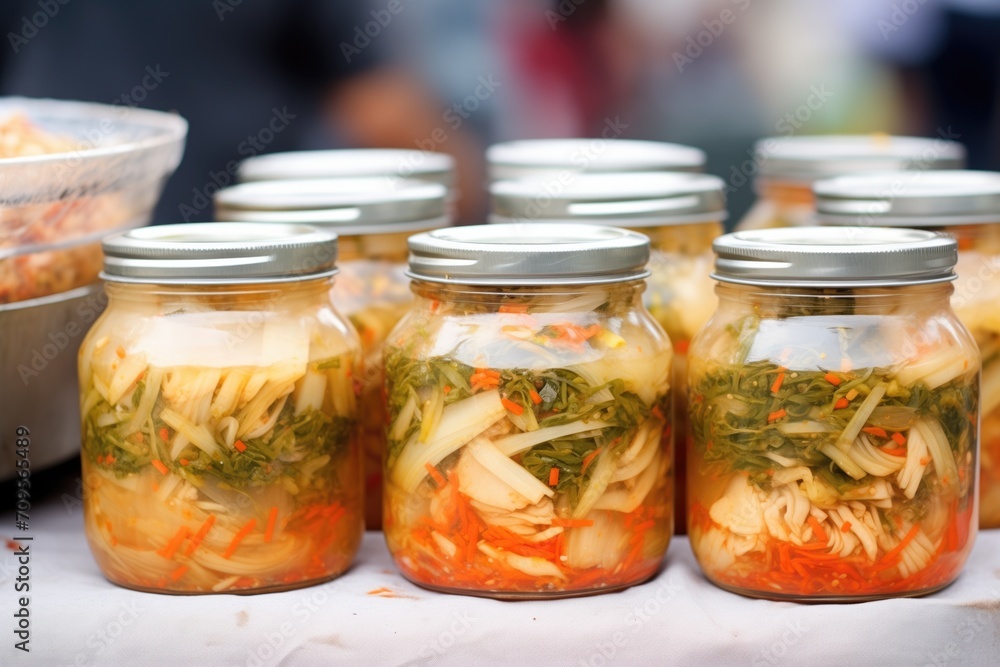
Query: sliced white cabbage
x,y
519,479
740,509
602,544
512,445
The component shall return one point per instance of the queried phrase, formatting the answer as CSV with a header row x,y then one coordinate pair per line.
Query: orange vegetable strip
x,y
876,431
200,535
895,451
899,438
272,518
535,397
164,433
240,446
572,523
435,475
898,549
846,527
841,403
179,572
553,476
777,383
588,459
776,415
158,464
832,379
175,542
243,532
446,389
120,352
512,406
817,529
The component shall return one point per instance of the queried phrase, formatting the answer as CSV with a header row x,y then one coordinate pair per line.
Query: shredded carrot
x,y
100,459
435,304
178,573
183,462
158,464
832,379
518,308
535,397
512,406
895,451
164,434
588,459
272,518
841,403
876,431
240,446
899,438
171,547
817,529
776,387
776,415
682,346
846,528
435,475
572,523
120,352
553,476
109,459
898,549
139,437
446,389
243,532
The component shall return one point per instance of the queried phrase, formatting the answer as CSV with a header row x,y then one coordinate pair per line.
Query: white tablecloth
x,y
78,618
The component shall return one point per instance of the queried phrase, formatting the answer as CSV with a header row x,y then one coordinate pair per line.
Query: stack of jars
x,y
522,384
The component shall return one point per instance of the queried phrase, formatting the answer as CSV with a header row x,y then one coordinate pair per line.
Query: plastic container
x,y
373,219
786,168
681,214
558,159
965,204
107,173
834,409
219,412
529,447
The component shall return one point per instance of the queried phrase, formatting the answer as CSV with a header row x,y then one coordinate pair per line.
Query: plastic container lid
x,y
532,158
805,159
350,206
529,254
835,257
386,163
910,198
634,200
220,253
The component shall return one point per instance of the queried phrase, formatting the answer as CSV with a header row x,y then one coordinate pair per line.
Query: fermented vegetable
x,y
833,455
528,441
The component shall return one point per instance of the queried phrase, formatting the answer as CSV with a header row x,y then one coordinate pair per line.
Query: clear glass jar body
x,y
780,204
529,447
976,299
372,290
220,447
681,296
834,438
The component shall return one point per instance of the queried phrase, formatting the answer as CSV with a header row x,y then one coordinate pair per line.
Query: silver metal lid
x,y
392,164
220,253
910,198
632,200
529,254
808,158
534,158
835,257
350,205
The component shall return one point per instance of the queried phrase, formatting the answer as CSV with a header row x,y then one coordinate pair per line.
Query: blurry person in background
x,y
251,77
946,57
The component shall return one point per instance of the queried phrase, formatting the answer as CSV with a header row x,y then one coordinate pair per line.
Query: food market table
x,y
372,616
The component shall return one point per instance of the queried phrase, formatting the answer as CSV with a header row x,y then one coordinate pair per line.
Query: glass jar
x,y
834,417
965,204
553,159
680,213
373,218
786,167
529,449
218,412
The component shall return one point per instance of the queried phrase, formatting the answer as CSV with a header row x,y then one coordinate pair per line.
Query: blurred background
x,y
457,75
